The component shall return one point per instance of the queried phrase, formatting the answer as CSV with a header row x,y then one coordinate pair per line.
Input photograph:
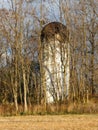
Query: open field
x,y
61,122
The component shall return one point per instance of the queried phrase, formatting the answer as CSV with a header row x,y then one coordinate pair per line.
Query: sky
x,y
4,4
51,7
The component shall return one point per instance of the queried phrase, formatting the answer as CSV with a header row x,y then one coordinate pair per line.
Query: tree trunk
x,y
25,92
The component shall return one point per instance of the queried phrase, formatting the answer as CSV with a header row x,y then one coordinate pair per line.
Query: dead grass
x,y
64,122
51,109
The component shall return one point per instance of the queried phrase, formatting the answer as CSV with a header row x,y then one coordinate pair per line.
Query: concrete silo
x,y
55,61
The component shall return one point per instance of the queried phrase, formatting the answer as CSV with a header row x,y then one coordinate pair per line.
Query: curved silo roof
x,y
54,30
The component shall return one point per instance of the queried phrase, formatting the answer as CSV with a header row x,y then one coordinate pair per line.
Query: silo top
x,y
54,30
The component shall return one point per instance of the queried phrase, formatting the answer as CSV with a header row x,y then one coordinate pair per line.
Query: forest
x,y
21,88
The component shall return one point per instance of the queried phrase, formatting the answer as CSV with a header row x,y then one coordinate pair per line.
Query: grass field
x,y
61,122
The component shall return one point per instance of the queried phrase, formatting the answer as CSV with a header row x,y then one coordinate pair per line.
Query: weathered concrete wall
x,y
55,61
